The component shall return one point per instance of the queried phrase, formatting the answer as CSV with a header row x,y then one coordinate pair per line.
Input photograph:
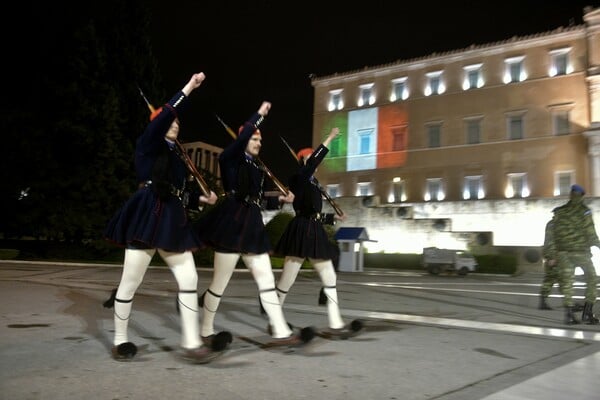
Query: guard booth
x,y
350,241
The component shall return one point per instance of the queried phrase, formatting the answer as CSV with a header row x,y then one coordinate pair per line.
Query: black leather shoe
x,y
588,314
570,316
543,304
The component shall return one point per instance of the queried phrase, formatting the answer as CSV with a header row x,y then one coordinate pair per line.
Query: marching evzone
x,y
305,237
154,220
235,228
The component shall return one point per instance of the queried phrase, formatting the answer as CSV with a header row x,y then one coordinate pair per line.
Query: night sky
x,y
267,50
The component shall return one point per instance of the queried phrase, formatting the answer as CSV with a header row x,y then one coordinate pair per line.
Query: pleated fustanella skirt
x,y
304,237
234,226
145,221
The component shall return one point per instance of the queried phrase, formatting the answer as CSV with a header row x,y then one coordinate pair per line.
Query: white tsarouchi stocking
x,y
291,267
183,267
224,265
260,267
328,277
134,268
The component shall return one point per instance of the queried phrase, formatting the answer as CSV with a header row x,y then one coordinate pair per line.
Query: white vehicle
x,y
438,260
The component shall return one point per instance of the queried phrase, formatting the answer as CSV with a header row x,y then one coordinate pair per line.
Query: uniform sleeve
x,y
590,230
549,250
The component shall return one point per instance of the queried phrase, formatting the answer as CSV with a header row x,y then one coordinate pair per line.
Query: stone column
x,y
593,136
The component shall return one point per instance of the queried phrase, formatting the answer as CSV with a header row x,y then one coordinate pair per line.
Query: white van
x,y
438,260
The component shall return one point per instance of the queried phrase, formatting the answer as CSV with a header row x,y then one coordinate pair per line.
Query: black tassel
x,y
307,334
111,300
221,341
356,325
322,297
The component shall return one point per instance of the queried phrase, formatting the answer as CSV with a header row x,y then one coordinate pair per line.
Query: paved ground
x,y
479,337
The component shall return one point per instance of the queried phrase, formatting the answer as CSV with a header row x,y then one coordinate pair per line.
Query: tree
x,y
74,124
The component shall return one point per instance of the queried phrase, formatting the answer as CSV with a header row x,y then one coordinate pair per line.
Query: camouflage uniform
x,y
574,234
551,270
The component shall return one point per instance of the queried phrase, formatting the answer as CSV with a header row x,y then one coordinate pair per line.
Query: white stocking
x,y
184,269
224,264
134,268
260,267
291,266
328,277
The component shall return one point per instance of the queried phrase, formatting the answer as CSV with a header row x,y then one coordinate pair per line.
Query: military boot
x,y
587,315
543,304
570,316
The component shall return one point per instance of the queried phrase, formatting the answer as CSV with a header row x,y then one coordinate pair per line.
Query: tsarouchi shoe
x,y
304,336
344,332
219,341
200,355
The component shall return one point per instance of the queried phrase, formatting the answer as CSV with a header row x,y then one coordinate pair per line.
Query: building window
x,y
515,125
514,70
397,194
364,189
335,100
473,78
399,89
434,135
333,190
473,187
399,138
562,182
473,130
516,185
561,124
559,62
364,141
367,96
434,190
435,85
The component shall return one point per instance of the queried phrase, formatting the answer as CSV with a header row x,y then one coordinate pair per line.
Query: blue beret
x,y
577,189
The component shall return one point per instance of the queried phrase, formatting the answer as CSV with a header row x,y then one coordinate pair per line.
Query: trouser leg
x,y
134,268
329,278
567,277
224,265
183,267
260,267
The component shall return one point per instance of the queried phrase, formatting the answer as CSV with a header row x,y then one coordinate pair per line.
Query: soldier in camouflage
x,y
551,271
574,234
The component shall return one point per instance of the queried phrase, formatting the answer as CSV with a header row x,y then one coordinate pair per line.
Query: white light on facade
x,y
522,76
441,88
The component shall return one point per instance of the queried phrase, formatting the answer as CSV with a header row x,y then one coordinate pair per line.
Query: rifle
x,y
192,169
184,157
261,164
324,193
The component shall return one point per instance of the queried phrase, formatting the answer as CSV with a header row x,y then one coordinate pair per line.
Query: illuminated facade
x,y
487,138
512,119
